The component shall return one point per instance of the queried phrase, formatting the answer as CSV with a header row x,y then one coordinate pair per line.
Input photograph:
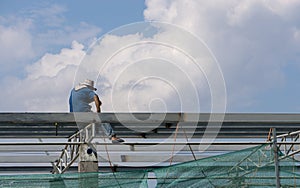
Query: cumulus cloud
x,y
155,70
12,54
153,67
47,84
33,71
252,40
50,65
28,35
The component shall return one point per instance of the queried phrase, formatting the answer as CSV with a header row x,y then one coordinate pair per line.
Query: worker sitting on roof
x,y
80,98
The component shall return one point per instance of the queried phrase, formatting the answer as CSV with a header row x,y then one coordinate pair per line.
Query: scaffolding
x,y
265,141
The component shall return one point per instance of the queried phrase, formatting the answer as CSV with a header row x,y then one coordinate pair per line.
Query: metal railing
x,y
71,151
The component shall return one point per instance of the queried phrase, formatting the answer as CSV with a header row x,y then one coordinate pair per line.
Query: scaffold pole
x,y
276,162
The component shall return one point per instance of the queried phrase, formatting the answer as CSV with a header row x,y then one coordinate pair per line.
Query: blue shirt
x,y
79,100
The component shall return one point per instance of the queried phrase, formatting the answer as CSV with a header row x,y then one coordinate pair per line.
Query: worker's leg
x,y
108,130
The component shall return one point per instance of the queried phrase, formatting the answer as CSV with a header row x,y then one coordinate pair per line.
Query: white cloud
x,y
252,39
26,36
15,43
47,85
51,64
149,70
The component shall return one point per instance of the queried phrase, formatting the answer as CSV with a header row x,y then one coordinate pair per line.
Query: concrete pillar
x,y
88,167
88,160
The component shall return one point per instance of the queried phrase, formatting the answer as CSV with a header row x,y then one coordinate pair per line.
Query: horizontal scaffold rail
x,y
151,125
142,143
147,117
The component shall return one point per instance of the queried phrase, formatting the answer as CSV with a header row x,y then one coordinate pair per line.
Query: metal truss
x,y
70,153
289,143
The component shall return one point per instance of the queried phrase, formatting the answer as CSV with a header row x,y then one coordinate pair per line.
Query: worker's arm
x,y
98,103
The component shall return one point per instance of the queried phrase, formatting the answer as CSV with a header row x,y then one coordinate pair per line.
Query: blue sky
x,y
256,44
108,14
51,16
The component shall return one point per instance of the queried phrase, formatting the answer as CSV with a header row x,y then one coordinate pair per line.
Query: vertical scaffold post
x,y
276,162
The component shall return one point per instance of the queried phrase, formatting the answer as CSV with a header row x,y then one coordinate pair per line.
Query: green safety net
x,y
252,167
73,180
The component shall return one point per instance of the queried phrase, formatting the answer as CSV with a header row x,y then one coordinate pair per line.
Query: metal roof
x,y
36,139
32,125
